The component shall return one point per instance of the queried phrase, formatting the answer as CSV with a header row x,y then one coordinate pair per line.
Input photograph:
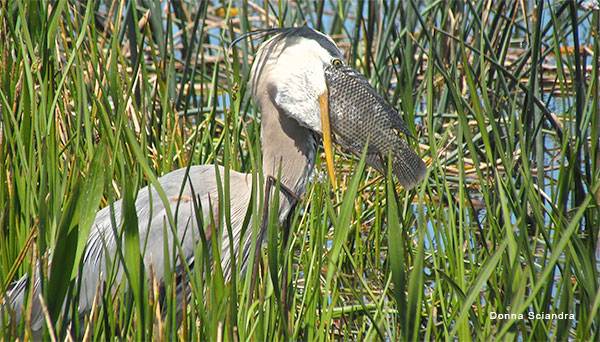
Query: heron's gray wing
x,y
101,249
200,191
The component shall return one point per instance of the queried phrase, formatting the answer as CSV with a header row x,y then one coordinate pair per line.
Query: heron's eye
x,y
336,62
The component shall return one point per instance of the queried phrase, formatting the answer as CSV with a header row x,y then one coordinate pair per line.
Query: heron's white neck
x,y
287,143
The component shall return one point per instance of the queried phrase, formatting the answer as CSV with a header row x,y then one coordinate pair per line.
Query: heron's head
x,y
289,71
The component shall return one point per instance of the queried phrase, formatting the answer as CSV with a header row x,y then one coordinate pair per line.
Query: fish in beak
x,y
356,113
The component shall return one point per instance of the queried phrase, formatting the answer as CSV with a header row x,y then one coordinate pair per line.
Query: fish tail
x,y
408,167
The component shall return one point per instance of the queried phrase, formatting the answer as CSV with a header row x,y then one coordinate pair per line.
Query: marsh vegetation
x,y
99,98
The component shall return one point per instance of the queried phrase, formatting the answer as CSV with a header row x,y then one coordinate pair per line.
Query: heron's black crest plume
x,y
261,33
288,32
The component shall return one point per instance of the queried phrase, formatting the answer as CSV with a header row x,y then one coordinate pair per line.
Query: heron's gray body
x,y
287,80
152,223
201,182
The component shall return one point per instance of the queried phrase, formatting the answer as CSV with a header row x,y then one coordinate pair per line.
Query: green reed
x,y
97,101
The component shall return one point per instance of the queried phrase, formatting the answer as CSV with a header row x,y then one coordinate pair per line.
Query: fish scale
x,y
357,114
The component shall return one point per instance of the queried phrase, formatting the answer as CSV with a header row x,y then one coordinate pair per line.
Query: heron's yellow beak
x,y
324,104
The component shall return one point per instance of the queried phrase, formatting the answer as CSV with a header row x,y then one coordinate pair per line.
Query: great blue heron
x,y
291,79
